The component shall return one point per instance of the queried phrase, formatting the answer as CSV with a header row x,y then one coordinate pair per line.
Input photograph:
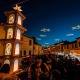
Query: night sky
x,y
62,17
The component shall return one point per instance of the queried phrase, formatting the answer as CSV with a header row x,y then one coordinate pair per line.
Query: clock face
x,y
11,19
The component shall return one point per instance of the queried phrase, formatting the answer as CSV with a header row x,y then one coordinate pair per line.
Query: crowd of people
x,y
51,67
47,67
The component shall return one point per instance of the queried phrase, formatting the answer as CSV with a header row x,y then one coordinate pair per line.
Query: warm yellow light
x,y
15,65
17,49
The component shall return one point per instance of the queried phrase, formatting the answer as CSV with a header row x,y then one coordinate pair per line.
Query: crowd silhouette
x,y
52,67
46,67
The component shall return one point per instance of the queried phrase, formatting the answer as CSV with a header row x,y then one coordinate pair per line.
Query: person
x,y
43,77
0,64
77,72
55,75
4,71
5,68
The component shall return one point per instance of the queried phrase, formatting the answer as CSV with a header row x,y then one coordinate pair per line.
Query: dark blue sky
x,y
57,15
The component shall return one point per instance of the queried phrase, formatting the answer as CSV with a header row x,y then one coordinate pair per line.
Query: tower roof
x,y
15,11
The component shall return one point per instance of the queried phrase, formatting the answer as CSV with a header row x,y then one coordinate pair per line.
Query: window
x,y
29,52
75,45
18,34
15,65
8,49
30,42
24,52
17,49
11,18
22,38
20,52
19,20
10,33
79,43
72,46
67,46
64,46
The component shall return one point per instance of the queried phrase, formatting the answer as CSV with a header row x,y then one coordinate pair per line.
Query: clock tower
x,y
14,29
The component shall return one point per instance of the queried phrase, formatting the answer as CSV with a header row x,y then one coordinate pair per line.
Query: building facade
x,y
66,47
14,45
38,49
27,48
10,39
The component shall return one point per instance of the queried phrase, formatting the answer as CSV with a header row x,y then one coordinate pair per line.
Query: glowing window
x,y
15,65
10,33
19,20
8,49
11,18
18,34
7,62
17,49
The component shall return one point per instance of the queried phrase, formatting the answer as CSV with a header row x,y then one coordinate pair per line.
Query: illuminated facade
x,y
38,49
10,33
8,49
13,44
10,39
66,47
27,48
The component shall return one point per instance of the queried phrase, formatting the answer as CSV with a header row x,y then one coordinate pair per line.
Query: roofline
x,y
38,44
27,36
15,11
78,38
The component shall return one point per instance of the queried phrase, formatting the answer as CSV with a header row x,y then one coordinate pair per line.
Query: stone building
x,y
27,48
66,47
38,49
10,39
14,45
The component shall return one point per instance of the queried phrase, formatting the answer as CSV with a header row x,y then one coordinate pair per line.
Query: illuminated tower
x,y
14,29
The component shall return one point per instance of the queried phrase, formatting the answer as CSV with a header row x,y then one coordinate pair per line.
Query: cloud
x,y
45,30
43,45
43,35
38,38
76,27
46,43
56,39
69,34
